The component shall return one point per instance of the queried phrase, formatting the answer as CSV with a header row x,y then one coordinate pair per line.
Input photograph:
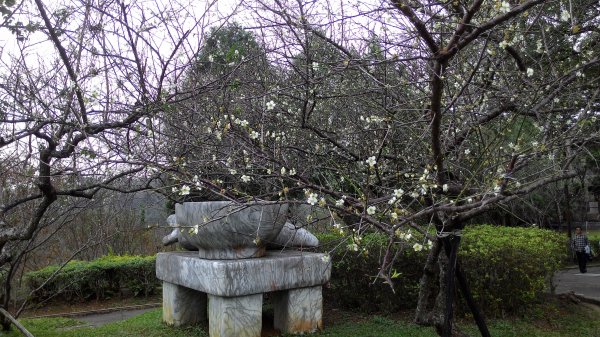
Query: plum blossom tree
x,y
409,116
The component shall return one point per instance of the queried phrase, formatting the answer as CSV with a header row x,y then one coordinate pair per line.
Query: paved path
x,y
109,317
588,284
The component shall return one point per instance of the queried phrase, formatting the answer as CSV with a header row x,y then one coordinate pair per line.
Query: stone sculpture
x,y
224,285
244,230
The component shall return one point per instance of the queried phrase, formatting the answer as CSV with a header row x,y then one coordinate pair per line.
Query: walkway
x,y
571,280
99,319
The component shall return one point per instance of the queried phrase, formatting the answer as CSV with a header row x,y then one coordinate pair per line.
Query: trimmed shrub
x,y
354,284
98,279
507,268
595,244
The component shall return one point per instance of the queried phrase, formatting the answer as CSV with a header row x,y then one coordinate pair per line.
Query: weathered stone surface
x,y
275,271
225,230
290,236
235,316
183,306
298,310
172,220
174,235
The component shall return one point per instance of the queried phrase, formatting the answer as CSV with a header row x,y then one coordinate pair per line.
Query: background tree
x,y
82,84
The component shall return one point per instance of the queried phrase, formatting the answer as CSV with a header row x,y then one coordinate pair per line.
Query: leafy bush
x,y
594,239
99,279
353,279
507,268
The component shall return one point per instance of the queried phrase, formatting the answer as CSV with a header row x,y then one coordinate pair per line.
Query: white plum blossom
x,y
185,190
371,210
246,178
403,235
270,105
337,226
392,200
339,203
394,215
254,135
398,193
371,161
418,247
315,66
467,151
539,46
325,258
312,199
529,72
283,171
292,171
565,15
504,7
445,188
195,229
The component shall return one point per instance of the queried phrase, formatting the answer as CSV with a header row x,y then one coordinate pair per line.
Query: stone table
x,y
234,291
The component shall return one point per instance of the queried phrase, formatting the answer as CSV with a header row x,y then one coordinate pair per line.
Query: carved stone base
x,y
183,306
235,291
298,310
235,316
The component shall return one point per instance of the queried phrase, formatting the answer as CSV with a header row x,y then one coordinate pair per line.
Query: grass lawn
x,y
556,319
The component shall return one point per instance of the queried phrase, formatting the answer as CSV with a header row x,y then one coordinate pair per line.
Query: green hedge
x,y
99,279
353,284
595,243
508,269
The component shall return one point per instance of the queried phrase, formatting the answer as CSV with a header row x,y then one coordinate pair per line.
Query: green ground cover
x,y
550,320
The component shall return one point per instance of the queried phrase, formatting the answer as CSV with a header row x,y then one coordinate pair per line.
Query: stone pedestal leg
x,y
183,306
298,310
235,316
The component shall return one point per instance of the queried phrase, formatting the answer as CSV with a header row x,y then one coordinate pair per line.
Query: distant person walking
x,y
579,244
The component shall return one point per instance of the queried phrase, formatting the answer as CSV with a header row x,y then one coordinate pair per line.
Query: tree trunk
x,y
568,214
466,292
6,300
423,315
437,310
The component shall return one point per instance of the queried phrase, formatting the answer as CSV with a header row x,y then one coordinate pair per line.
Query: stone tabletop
x,y
278,270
